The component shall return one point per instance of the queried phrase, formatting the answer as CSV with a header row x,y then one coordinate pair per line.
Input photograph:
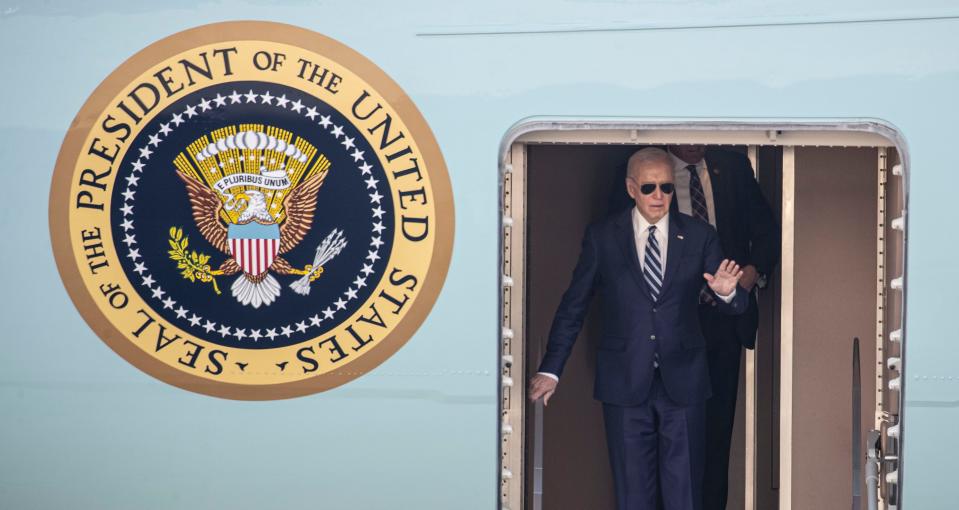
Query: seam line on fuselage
x,y
650,28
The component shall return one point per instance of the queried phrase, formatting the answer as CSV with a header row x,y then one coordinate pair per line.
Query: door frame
x,y
510,332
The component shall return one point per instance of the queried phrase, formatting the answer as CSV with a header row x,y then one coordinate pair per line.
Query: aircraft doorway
x,y
839,277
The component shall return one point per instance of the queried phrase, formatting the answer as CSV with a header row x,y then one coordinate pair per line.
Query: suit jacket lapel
x,y
626,239
674,250
721,194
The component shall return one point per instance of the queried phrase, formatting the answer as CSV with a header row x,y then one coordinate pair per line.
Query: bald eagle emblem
x,y
253,192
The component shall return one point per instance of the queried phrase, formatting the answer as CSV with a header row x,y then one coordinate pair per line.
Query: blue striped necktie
x,y
696,195
652,266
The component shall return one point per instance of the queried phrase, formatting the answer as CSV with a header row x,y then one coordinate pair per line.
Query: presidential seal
x,y
253,211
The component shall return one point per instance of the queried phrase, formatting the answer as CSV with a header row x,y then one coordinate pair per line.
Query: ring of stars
x,y
186,315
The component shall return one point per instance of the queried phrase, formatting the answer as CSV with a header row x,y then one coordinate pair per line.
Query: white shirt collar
x,y
640,225
679,164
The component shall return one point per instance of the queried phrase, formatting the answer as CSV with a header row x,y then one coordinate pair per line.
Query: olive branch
x,y
194,265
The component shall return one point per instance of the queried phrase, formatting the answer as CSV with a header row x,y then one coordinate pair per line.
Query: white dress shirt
x,y
641,234
641,237
681,179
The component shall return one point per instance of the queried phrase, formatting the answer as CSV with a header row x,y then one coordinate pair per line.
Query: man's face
x,y
655,205
691,154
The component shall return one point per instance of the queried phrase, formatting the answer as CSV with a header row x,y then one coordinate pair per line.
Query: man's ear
x,y
629,189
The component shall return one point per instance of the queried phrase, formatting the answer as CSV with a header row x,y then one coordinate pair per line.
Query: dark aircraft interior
x,y
837,259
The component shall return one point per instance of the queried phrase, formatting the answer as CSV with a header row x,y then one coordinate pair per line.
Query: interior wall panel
x,y
834,288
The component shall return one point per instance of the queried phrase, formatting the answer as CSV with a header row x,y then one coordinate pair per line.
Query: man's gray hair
x,y
649,155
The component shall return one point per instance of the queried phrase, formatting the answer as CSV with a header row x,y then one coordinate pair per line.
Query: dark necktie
x,y
696,195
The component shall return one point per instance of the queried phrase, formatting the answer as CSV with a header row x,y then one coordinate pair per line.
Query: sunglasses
x,y
665,187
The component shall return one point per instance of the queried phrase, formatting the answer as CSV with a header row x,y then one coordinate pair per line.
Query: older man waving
x,y
651,370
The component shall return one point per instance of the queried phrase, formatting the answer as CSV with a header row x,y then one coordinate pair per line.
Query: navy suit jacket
x,y
748,231
635,328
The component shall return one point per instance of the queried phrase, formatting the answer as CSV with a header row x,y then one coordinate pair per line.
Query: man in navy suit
x,y
649,266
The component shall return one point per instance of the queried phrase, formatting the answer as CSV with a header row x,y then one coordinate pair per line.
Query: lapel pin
x,y
679,236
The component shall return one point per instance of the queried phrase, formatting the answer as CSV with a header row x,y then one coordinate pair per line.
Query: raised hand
x,y
724,281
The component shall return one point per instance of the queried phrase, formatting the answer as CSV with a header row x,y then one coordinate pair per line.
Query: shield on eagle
x,y
254,246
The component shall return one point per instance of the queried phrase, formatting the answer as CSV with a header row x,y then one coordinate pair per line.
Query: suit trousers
x,y
723,354
656,452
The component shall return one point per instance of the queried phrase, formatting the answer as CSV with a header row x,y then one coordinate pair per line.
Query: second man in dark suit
x,y
718,187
